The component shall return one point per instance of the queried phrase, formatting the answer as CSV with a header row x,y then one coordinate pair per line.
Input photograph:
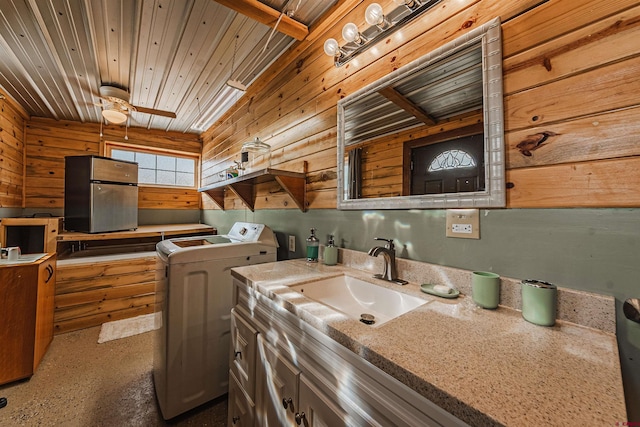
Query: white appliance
x,y
191,355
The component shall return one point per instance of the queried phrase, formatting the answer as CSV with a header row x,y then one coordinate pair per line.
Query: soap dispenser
x,y
330,252
312,247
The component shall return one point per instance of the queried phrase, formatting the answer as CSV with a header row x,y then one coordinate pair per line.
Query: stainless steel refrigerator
x,y
100,194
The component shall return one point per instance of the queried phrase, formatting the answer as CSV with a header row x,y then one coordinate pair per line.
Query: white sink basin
x,y
355,297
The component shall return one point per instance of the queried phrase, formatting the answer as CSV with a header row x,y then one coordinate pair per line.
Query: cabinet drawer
x,y
276,386
242,360
241,408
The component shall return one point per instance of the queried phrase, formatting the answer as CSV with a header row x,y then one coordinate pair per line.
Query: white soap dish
x,y
431,289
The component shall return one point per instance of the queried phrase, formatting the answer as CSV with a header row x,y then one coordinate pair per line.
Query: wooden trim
x,y
262,13
595,184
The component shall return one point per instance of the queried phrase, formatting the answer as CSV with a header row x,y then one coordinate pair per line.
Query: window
x,y
452,159
164,169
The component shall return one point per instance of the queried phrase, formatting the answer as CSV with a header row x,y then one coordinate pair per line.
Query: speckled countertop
x,y
486,367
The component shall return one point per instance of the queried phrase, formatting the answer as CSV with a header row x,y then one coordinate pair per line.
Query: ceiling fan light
x,y
114,116
256,146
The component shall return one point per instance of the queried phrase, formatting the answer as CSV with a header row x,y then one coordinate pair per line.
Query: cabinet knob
x,y
235,419
237,355
287,402
300,417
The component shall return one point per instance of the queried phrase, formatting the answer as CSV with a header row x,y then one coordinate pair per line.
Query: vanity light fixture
x,y
380,26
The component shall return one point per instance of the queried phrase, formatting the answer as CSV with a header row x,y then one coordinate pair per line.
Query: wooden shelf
x,y
294,183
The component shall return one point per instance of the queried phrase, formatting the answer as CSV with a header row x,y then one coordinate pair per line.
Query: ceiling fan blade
x,y
155,112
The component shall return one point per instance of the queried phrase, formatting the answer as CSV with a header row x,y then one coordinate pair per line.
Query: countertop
x,y
167,230
486,367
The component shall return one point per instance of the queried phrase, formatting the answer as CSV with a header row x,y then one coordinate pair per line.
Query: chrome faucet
x,y
390,273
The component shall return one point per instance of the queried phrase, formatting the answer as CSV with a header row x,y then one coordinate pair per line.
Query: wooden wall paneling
x,y
160,198
100,318
12,153
102,294
89,294
601,136
97,268
597,184
596,91
554,18
154,138
605,41
49,141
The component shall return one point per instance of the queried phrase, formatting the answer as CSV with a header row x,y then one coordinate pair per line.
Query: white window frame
x,y
109,146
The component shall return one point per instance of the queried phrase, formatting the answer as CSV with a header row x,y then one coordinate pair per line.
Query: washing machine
x,y
193,312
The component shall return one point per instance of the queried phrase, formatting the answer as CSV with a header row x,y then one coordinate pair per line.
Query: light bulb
x,y
374,14
351,34
332,48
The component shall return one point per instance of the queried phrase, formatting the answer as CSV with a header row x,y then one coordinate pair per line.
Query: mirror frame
x,y
494,194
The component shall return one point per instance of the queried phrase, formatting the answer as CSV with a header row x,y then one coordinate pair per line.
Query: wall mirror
x,y
430,134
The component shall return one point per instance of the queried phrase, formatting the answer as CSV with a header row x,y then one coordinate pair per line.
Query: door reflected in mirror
x,y
430,134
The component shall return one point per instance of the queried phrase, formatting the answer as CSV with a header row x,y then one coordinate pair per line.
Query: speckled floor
x,y
82,383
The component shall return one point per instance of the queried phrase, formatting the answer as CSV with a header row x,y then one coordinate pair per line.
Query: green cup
x,y
485,289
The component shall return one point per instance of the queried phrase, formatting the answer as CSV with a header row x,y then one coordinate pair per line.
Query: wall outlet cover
x,y
292,243
463,223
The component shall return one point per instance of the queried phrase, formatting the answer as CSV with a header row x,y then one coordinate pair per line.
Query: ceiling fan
x,y
116,107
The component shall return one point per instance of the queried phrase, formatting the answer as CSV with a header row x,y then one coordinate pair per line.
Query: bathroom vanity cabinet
x,y
26,314
285,372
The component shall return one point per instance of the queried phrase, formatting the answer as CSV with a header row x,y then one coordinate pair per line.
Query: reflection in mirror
x,y
430,134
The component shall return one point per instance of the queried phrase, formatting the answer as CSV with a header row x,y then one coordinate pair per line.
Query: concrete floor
x,y
82,383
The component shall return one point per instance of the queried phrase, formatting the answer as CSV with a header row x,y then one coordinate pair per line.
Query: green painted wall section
x,y
596,250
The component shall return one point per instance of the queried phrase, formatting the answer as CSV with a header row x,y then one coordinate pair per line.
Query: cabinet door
x,y
44,309
317,409
18,285
243,353
241,408
276,387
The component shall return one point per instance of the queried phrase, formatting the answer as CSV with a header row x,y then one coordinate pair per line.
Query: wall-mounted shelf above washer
x,y
294,183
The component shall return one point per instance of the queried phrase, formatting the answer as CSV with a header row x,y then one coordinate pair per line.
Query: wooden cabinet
x,y
26,316
33,235
284,372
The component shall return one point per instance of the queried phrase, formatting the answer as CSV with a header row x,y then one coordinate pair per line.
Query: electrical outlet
x,y
463,223
292,243
462,228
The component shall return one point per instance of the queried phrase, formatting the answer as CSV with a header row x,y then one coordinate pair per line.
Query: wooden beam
x,y
392,95
262,13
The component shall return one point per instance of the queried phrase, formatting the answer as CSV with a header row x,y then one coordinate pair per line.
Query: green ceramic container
x,y
539,302
485,289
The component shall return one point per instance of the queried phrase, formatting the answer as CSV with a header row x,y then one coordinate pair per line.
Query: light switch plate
x,y
292,243
463,223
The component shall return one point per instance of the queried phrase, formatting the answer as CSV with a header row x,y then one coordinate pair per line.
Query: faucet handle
x,y
389,244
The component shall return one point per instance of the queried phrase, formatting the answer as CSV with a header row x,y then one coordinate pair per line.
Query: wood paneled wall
x,y
92,293
13,119
571,107
49,141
